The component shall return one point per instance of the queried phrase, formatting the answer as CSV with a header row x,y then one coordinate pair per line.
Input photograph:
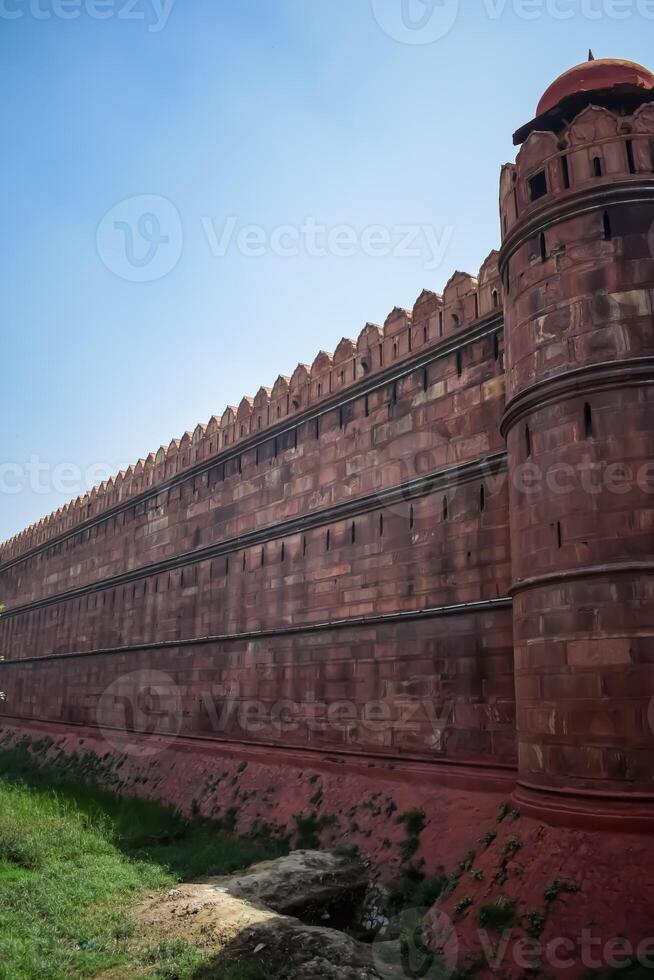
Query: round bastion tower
x,y
577,263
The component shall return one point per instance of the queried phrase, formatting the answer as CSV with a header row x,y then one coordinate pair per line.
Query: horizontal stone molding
x,y
637,190
437,481
433,612
484,328
583,571
628,373
586,809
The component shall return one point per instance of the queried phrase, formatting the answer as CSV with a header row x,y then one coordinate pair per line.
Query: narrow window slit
x,y
630,157
566,171
588,421
606,226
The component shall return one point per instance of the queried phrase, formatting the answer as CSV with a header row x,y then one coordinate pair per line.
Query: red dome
x,y
603,73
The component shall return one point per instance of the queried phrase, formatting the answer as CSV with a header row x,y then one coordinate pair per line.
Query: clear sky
x,y
171,171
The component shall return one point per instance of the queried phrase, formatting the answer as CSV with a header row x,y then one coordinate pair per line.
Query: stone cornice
x,y
637,190
411,615
582,571
578,381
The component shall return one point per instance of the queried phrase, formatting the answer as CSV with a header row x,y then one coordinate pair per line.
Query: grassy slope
x,y
74,860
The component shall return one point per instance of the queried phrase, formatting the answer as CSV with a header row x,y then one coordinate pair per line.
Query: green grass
x,y
74,861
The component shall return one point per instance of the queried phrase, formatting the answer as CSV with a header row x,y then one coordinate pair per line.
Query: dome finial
x,y
591,56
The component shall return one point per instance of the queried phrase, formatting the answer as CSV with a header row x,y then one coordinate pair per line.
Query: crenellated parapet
x,y
596,149
433,318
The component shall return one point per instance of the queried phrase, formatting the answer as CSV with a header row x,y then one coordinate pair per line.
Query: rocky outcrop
x,y
303,883
242,918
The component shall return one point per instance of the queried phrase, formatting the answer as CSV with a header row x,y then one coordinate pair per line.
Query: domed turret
x,y
609,82
598,75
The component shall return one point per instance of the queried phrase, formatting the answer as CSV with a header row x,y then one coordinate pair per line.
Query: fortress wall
x,y
439,549
432,418
434,317
438,688
388,500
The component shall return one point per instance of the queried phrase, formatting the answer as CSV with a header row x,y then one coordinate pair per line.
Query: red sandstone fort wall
x,y
368,491
344,535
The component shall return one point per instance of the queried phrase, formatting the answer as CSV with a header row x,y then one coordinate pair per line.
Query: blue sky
x,y
262,113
